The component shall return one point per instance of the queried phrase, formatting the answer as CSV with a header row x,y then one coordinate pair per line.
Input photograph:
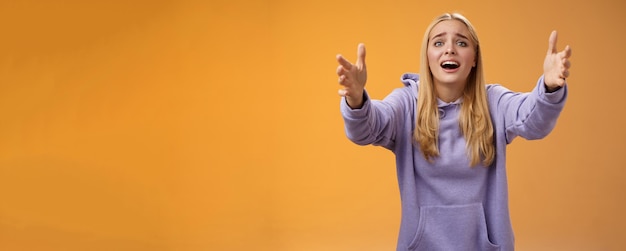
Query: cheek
x,y
470,58
432,58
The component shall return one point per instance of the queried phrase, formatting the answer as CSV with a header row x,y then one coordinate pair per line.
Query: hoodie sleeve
x,y
530,115
376,121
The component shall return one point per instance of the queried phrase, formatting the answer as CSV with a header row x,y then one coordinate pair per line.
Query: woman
x,y
449,132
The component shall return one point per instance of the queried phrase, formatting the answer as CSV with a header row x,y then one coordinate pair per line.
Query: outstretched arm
x,y
533,115
368,121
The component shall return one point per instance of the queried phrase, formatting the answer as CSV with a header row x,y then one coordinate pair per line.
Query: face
x,y
451,53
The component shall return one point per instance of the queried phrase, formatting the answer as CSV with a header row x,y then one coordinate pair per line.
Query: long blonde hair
x,y
474,120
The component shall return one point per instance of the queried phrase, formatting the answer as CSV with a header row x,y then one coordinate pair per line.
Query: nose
x,y
450,50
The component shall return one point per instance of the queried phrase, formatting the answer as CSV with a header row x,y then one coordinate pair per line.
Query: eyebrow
x,y
444,33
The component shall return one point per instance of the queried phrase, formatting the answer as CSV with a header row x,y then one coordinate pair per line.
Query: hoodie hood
x,y
411,80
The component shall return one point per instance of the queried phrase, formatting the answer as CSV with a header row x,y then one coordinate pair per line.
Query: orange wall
x,y
215,125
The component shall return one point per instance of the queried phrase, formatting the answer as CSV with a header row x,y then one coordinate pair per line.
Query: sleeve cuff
x,y
356,112
555,97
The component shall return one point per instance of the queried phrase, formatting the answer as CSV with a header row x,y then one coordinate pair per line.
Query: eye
x,y
461,43
438,43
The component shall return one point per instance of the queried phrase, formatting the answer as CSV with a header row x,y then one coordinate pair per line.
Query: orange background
x,y
215,125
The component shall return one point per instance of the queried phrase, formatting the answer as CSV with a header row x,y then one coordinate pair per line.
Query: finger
x,y
565,74
565,54
568,51
342,80
343,62
560,81
343,92
360,55
566,63
552,43
341,70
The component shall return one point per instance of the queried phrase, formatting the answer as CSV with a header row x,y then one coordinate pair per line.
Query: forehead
x,y
450,27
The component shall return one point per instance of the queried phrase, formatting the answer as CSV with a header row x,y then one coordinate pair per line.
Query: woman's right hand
x,y
353,77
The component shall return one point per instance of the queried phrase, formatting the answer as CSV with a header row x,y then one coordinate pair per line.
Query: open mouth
x,y
450,65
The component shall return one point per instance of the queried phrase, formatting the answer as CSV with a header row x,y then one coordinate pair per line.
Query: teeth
x,y
449,63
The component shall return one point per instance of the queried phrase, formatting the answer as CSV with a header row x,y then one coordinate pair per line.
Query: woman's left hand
x,y
556,65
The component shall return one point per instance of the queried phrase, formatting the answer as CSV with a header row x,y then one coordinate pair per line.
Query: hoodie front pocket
x,y
458,227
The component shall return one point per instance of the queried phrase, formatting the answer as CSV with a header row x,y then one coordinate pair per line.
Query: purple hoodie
x,y
448,205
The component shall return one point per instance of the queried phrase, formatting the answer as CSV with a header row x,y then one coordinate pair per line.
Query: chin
x,y
452,81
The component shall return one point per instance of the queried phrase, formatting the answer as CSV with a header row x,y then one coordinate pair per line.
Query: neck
x,y
448,92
